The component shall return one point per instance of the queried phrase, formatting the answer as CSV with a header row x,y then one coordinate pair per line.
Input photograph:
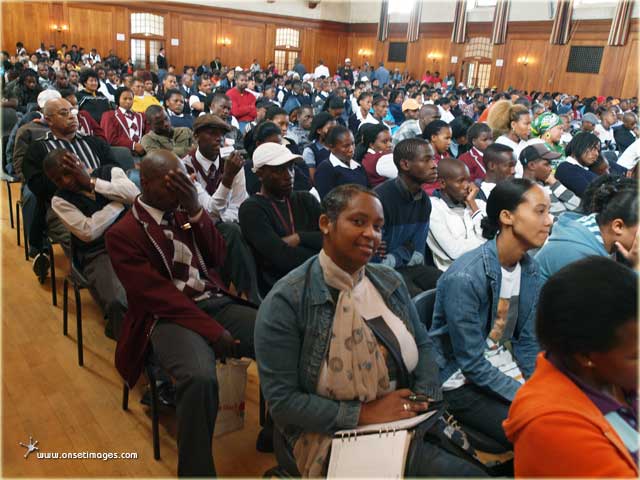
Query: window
x,y
287,38
479,47
593,3
287,48
401,6
147,24
471,4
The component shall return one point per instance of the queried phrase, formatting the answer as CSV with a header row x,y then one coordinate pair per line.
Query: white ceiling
x,y
368,11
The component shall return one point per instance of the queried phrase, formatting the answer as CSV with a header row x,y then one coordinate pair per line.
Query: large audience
x,y
291,217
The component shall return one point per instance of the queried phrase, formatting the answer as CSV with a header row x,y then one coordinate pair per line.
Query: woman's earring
x,y
590,363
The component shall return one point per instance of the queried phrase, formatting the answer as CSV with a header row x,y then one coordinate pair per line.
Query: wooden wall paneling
x,y
247,42
121,24
270,44
630,86
307,45
92,28
29,23
199,41
327,49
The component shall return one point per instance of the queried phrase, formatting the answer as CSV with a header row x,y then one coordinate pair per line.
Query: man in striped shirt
x,y
90,152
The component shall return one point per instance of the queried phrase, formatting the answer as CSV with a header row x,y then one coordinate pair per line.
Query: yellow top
x,y
140,104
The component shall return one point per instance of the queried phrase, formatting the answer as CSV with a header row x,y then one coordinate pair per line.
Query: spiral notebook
x,y
373,451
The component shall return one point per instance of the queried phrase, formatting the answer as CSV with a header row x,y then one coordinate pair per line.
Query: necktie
x,y
168,218
213,179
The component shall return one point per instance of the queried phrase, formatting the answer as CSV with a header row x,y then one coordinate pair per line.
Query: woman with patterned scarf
x,y
547,128
339,344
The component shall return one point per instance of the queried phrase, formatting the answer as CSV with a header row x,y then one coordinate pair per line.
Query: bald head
x,y
629,120
54,105
428,113
449,168
154,168
157,163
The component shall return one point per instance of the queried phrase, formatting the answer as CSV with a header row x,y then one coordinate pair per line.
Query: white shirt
x,y
120,190
368,119
573,161
453,231
321,70
630,156
336,162
517,148
445,115
605,135
486,188
225,202
195,99
385,167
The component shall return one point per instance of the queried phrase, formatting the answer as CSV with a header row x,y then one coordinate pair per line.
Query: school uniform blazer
x,y
115,128
140,253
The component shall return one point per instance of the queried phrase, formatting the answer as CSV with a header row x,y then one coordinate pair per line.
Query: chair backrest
x,y
123,157
611,157
425,303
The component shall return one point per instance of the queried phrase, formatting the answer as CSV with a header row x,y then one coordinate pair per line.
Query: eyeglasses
x,y
66,113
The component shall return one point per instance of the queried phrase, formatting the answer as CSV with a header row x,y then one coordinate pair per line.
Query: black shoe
x,y
264,442
41,266
166,395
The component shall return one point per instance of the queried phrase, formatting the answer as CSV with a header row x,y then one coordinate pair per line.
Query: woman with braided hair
x,y
611,226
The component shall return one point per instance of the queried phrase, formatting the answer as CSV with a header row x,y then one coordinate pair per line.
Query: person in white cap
x,y
32,127
345,72
280,224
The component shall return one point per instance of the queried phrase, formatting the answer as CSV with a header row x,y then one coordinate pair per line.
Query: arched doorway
x,y
476,63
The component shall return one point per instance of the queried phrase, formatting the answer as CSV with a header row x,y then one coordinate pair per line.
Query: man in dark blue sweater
x,y
406,214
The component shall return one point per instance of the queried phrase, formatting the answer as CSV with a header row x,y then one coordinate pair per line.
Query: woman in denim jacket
x,y
339,344
486,298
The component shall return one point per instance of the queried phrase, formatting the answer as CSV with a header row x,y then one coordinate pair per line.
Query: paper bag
x,y
232,382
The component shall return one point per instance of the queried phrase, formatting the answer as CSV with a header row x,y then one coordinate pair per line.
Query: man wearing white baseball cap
x,y
280,224
345,72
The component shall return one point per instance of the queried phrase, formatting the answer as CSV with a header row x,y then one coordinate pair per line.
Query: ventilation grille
x,y
585,59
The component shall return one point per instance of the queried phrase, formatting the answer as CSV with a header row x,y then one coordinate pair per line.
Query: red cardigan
x,y
243,105
151,295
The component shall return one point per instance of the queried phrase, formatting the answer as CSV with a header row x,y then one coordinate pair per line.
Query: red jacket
x,y
243,105
557,431
137,247
116,128
475,162
88,126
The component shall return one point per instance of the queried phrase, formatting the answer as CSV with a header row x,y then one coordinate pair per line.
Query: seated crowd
x,y
293,217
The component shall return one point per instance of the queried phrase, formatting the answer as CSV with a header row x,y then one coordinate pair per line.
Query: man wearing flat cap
x,y
221,187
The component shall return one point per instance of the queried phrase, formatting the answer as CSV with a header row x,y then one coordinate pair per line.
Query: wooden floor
x,y
67,408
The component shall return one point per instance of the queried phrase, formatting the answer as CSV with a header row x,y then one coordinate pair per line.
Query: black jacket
x,y
38,183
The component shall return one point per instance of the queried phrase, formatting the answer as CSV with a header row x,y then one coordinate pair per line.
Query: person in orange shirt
x,y
578,414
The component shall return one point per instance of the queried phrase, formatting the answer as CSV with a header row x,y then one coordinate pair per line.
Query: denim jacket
x,y
466,306
292,335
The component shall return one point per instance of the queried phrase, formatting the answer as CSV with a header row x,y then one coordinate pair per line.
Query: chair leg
x,y
79,324
263,408
10,204
54,291
154,413
65,305
125,397
24,231
18,222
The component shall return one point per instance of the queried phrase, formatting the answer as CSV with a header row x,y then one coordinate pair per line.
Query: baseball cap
x,y
212,121
364,79
537,151
46,95
272,155
410,104
591,118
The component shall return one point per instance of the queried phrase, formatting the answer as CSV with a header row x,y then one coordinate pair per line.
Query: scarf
x,y
355,368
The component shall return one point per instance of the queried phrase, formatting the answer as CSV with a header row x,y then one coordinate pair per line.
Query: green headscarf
x,y
545,122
